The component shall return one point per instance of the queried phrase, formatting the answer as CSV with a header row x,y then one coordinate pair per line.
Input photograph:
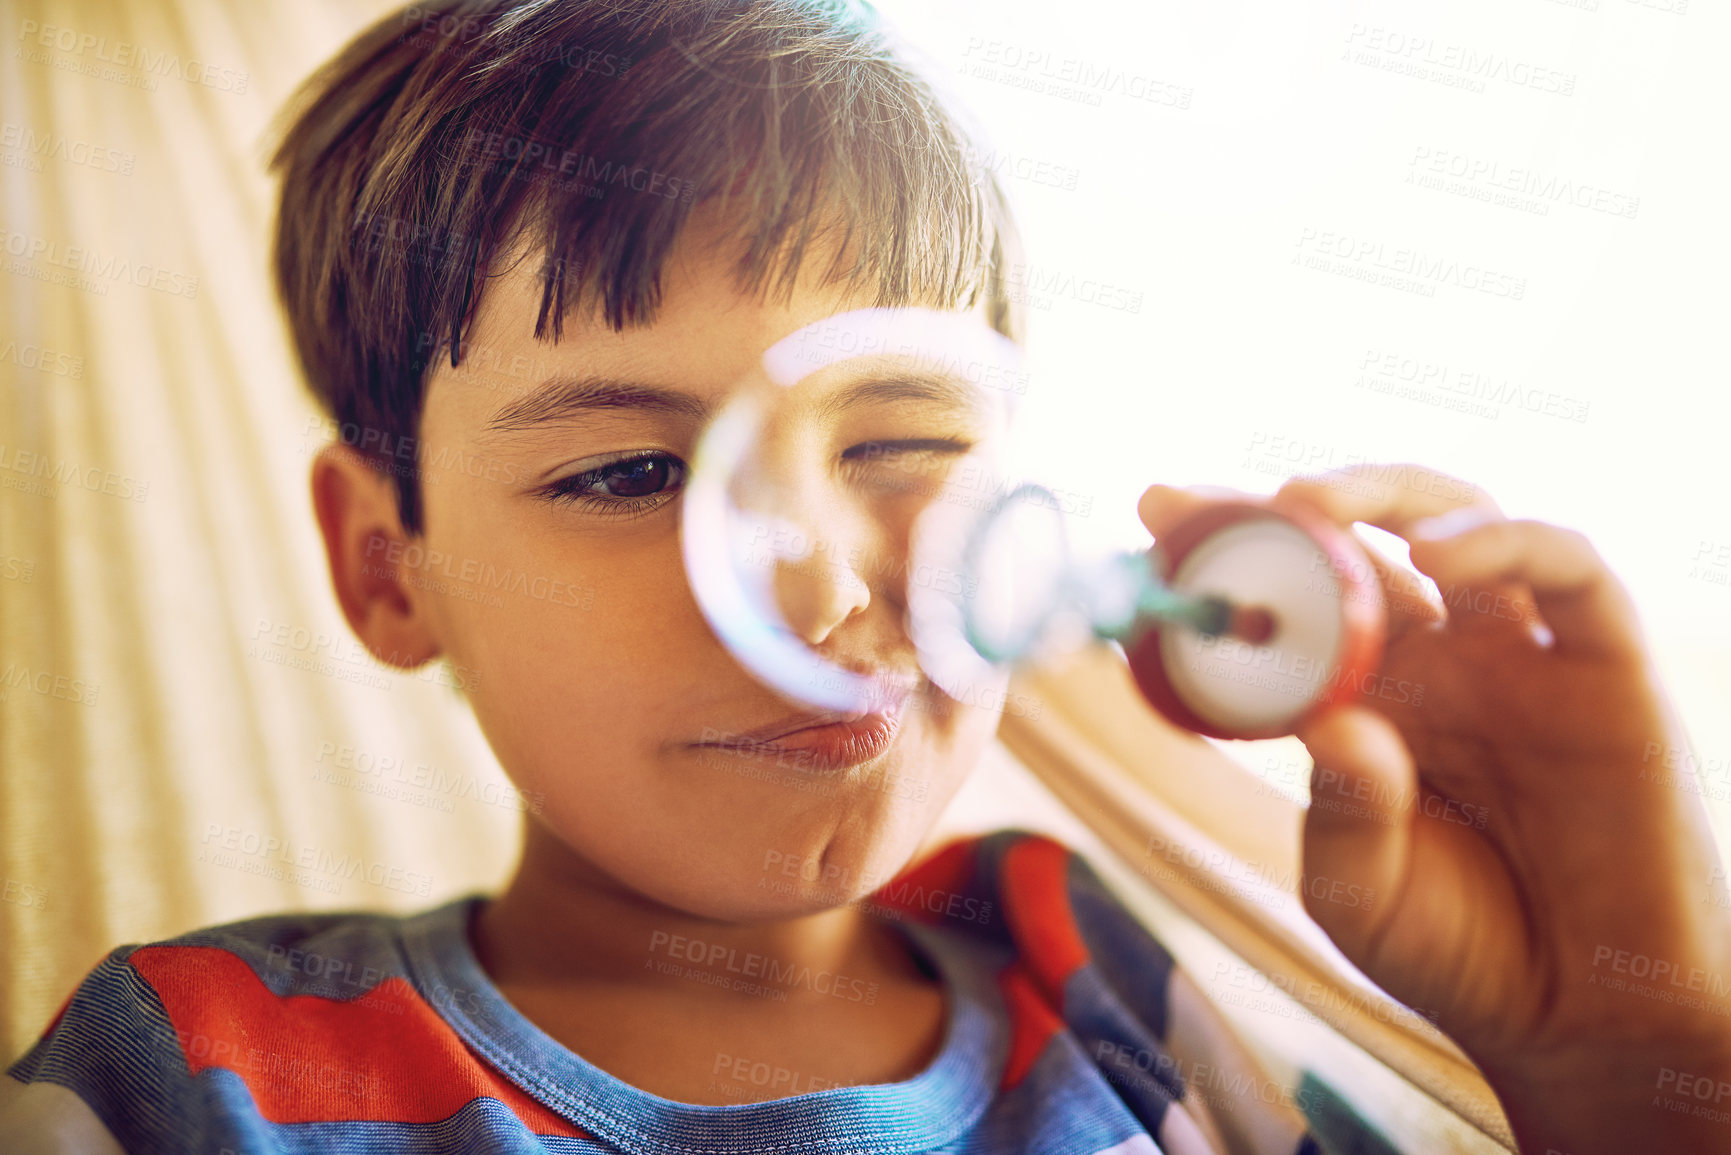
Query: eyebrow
x,y
561,398
902,387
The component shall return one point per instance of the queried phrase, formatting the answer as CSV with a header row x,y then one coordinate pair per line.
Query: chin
x,y
804,862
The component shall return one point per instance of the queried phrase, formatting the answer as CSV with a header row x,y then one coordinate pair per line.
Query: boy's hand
x,y
1543,866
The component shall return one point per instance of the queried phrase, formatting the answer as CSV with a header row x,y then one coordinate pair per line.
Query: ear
x,y
366,546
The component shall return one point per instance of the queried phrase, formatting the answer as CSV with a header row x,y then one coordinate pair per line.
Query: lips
x,y
817,741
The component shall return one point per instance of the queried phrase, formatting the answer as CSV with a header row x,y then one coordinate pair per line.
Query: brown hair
x,y
446,134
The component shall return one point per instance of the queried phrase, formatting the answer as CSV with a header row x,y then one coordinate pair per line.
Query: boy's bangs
x,y
825,156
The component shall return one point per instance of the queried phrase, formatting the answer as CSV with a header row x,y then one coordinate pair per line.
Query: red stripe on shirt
x,y
387,1057
1034,881
946,872
1032,1023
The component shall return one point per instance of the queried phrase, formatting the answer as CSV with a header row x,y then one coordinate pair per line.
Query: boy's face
x,y
595,677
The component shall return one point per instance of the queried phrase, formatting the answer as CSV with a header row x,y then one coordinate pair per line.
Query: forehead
x,y
707,333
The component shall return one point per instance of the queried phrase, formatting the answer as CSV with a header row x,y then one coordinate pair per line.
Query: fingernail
x,y
1455,521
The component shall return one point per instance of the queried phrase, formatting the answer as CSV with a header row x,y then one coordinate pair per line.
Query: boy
x,y
644,196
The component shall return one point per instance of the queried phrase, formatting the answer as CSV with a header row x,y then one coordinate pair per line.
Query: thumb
x,y
1358,832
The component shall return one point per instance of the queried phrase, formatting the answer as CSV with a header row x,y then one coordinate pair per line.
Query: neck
x,y
562,922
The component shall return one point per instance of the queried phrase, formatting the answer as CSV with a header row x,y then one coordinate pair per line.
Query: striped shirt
x,y
1069,1030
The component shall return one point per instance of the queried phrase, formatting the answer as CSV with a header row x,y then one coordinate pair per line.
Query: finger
x,y
1585,607
1406,597
1494,607
1388,496
1163,506
1358,828
1394,497
1412,599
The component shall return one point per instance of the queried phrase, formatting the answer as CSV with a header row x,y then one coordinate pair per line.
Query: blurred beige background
x,y
177,689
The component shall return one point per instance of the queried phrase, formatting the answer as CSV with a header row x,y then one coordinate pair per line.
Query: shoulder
x,y
339,955
285,995
1007,877
1035,911
1037,896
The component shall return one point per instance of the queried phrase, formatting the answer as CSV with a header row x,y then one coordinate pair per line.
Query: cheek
x,y
970,717
573,648
964,734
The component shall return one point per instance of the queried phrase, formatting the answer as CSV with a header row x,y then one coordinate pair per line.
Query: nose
x,y
819,591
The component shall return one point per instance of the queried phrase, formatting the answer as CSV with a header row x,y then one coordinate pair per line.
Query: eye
x,y
631,486
907,454
905,463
